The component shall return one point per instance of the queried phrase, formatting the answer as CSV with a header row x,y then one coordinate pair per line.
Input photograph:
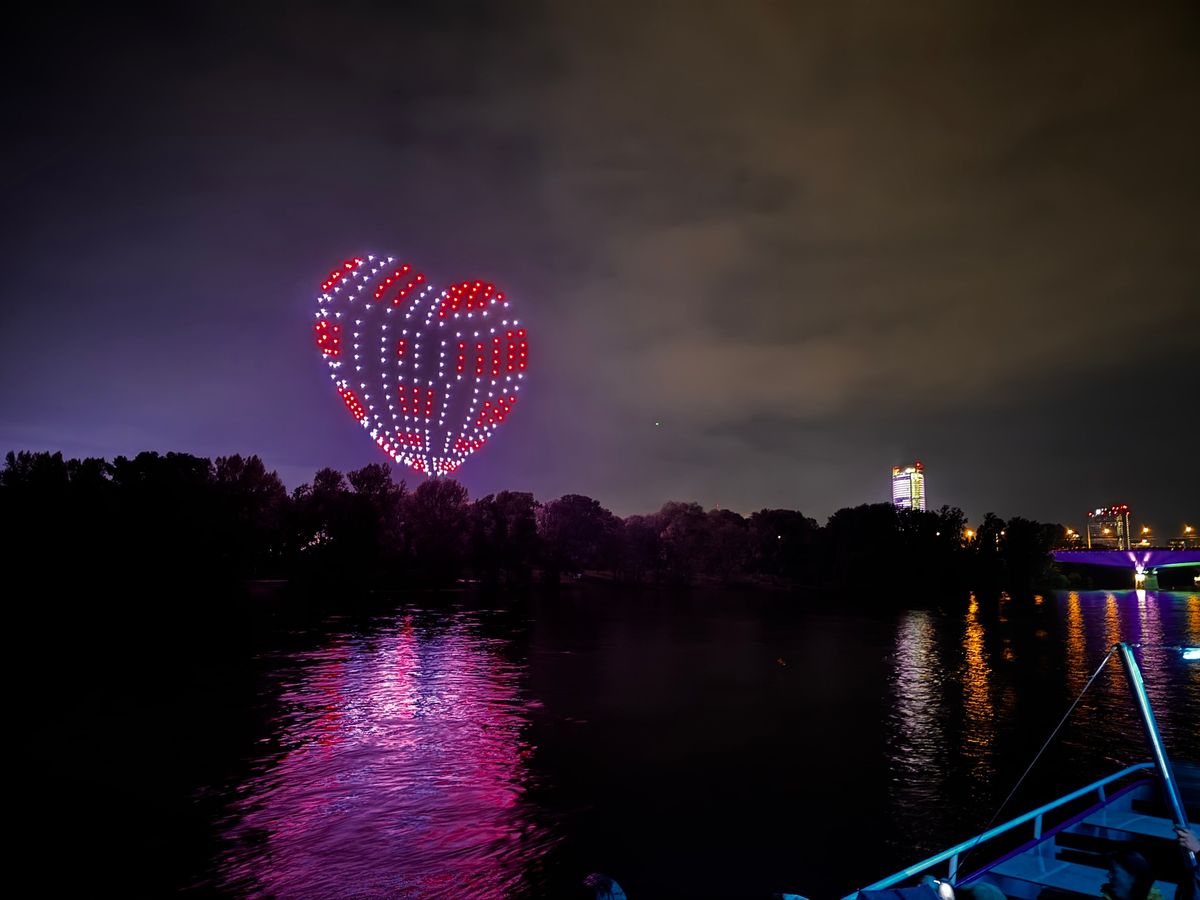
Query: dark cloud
x,y
810,241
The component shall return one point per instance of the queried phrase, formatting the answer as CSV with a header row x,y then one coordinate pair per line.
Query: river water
x,y
719,744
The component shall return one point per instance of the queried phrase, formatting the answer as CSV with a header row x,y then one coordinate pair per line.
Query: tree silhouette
x,y
504,538
783,544
186,521
685,540
989,566
252,505
729,545
577,534
374,521
436,519
640,549
860,543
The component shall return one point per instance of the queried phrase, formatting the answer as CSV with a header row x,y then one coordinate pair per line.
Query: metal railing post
x,y
1154,739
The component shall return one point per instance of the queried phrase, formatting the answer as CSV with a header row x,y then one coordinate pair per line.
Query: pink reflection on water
x,y
402,774
1106,720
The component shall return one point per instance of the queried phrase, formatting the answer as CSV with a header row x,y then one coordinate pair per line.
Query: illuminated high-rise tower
x,y
1108,528
908,486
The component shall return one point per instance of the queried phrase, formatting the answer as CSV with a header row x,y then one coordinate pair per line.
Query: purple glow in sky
x,y
772,250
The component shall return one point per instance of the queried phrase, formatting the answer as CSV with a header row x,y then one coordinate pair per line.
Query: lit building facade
x,y
908,486
1189,540
1108,528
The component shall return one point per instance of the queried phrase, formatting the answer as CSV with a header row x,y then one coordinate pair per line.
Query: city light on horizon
x,y
685,349
325,587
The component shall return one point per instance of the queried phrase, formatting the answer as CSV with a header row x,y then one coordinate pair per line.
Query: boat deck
x,y
1067,860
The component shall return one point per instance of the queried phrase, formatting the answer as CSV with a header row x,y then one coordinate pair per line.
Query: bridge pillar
x,y
1145,578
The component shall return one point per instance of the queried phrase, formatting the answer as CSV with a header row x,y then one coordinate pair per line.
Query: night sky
x,y
810,241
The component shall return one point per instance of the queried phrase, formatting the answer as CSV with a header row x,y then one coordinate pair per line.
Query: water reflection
x,y
934,754
917,714
397,762
1153,655
1193,636
402,773
1106,725
979,729
1077,665
954,772
1112,635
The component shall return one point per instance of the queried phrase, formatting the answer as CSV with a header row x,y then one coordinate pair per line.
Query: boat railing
x,y
1036,816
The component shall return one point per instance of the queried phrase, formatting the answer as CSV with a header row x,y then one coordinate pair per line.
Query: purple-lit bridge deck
x,y
1138,560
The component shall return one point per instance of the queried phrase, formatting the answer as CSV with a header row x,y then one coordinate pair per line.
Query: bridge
x,y
1143,563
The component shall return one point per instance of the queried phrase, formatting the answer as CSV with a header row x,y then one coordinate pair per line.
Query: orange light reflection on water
x,y
979,729
1112,635
1077,673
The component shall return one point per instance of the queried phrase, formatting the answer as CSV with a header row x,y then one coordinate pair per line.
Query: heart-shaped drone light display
x,y
429,373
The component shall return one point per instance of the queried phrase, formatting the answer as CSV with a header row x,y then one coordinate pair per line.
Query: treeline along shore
x,y
197,521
